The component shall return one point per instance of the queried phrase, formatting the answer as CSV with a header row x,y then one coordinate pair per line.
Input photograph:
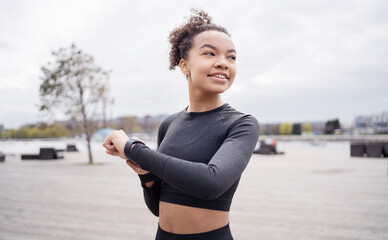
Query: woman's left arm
x,y
205,181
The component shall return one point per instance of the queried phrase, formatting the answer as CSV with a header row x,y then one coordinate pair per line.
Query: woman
x,y
189,182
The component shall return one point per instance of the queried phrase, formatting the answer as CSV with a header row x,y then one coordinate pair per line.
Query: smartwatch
x,y
128,146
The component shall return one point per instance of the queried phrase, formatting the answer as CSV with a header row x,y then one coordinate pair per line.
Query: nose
x,y
221,63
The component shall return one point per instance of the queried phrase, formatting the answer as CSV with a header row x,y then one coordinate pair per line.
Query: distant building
x,y
331,126
373,124
297,128
318,127
134,124
151,123
1,128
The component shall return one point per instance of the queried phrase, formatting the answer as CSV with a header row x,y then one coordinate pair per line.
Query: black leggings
x,y
218,234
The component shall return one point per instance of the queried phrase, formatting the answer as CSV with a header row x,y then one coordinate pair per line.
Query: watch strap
x,y
128,146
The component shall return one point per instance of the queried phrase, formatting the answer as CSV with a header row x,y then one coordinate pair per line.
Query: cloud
x,y
296,59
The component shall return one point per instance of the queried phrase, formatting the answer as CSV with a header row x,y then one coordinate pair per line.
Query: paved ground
x,y
308,193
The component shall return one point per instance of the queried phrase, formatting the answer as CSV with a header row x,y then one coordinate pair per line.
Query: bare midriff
x,y
181,219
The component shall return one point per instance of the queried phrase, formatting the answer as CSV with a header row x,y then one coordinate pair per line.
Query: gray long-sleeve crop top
x,y
200,158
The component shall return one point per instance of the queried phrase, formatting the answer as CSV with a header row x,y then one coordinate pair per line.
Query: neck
x,y
204,102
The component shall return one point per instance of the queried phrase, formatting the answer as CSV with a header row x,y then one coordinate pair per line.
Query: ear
x,y
184,68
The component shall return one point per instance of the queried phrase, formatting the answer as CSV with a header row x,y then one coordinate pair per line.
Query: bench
x,y
71,148
44,154
369,149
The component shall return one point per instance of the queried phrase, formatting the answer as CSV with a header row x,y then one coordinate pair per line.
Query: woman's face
x,y
211,63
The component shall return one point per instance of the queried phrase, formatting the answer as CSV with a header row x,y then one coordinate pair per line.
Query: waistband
x,y
171,195
222,233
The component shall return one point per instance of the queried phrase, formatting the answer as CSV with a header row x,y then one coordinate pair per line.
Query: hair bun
x,y
200,17
181,38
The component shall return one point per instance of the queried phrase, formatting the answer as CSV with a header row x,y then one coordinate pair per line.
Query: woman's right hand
x,y
135,167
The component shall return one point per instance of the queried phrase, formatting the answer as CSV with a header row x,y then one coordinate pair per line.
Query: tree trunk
x,y
87,133
89,151
87,127
88,139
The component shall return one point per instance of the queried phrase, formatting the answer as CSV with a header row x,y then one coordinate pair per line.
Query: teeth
x,y
219,76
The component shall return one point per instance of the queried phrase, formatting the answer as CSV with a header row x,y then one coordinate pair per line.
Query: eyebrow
x,y
214,48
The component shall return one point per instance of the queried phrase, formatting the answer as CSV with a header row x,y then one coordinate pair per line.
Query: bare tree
x,y
76,85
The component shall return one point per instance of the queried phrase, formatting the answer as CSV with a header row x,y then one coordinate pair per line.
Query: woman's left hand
x,y
115,143
135,167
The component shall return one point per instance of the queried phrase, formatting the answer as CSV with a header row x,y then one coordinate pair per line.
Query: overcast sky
x,y
298,60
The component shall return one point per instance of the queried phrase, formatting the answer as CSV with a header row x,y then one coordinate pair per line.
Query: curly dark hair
x,y
181,38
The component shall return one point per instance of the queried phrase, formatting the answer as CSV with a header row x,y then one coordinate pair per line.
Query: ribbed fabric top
x,y
200,156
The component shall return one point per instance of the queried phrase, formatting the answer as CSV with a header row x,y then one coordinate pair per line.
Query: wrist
x,y
129,146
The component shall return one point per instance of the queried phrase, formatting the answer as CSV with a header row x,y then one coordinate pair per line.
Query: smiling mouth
x,y
219,76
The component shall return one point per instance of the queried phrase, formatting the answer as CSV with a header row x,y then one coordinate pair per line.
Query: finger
x,y
134,168
129,163
111,148
134,137
133,165
107,144
113,153
108,152
107,139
